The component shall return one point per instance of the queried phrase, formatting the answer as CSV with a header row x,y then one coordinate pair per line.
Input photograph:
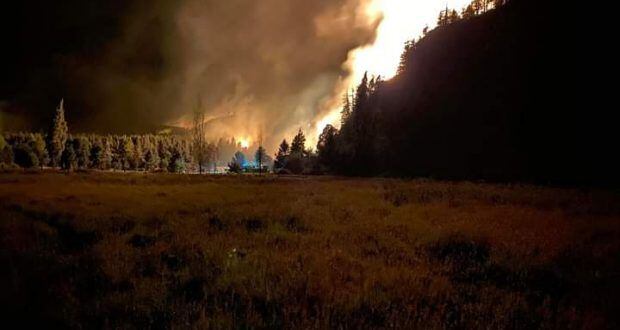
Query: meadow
x,y
105,250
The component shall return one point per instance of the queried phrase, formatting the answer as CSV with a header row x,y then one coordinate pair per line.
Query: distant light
x,y
244,143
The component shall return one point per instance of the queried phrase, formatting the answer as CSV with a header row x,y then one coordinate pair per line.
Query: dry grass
x,y
159,251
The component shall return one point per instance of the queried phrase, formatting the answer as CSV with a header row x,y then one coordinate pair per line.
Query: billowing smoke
x,y
270,64
258,68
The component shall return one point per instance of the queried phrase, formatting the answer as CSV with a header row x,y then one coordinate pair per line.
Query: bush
x,y
178,166
6,155
8,167
25,157
234,167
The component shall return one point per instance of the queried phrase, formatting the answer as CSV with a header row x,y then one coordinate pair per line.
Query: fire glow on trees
x,y
401,21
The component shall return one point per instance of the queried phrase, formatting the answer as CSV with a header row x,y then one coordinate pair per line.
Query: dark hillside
x,y
496,97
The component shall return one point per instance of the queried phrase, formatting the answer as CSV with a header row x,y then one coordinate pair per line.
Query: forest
x,y
479,97
470,101
473,190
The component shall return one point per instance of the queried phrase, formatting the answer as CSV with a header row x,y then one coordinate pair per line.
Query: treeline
x,y
59,149
476,7
295,158
363,146
117,152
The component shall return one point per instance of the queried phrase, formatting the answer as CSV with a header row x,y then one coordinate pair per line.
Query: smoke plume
x,y
257,68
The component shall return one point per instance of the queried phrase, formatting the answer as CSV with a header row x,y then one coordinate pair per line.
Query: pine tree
x,y
105,161
260,157
281,156
405,56
38,146
136,158
361,95
346,109
82,151
58,135
326,147
164,154
151,159
298,146
125,152
199,143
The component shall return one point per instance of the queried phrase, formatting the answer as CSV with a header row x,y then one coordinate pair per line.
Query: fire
x,y
401,21
244,143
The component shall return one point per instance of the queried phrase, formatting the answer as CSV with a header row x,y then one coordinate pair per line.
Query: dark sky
x,y
129,66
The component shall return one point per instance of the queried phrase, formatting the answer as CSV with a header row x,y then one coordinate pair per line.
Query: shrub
x,y
24,156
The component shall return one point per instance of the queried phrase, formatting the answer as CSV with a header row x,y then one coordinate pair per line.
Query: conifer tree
x,y
346,109
260,157
125,152
136,158
298,146
106,155
281,156
38,146
82,151
58,135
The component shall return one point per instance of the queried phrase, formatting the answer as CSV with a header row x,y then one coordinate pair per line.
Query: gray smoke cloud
x,y
258,68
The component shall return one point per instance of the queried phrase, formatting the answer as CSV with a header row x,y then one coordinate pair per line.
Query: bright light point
x,y
244,143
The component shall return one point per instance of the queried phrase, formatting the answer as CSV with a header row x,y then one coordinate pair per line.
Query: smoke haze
x,y
263,67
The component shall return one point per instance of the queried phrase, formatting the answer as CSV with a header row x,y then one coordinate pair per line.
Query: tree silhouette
x,y
298,147
326,146
281,156
260,157
199,144
58,135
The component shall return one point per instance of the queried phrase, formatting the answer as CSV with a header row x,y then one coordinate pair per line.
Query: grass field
x,y
100,250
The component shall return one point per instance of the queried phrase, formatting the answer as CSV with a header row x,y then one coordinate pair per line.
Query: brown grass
x,y
160,251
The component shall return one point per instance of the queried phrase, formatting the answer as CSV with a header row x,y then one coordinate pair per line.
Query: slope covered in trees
x,y
491,96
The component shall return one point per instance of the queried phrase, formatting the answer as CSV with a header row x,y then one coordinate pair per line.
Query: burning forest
x,y
288,164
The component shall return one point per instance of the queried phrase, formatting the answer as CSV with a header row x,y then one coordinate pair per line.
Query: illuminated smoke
x,y
402,20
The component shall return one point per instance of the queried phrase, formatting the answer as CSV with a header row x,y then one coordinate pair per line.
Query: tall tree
x,y
106,155
404,57
58,135
137,156
199,143
326,147
361,95
260,157
346,108
281,156
125,152
299,143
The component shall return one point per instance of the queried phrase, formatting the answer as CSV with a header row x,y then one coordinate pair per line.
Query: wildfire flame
x,y
244,142
401,21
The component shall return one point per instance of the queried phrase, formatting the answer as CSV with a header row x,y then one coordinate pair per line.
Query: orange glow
x,y
244,142
401,21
